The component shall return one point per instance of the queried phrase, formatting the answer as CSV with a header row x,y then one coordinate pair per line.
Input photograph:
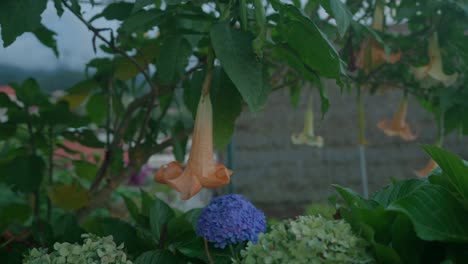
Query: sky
x,y
73,42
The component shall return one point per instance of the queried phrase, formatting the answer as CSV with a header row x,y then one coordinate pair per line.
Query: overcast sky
x,y
73,41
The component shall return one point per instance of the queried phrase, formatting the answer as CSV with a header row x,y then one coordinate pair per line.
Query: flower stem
x,y
207,251
234,254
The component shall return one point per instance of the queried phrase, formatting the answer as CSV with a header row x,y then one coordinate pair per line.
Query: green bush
x,y
308,239
94,249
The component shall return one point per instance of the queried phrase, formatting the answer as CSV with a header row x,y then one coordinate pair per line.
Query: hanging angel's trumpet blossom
x,y
434,70
201,170
398,126
307,136
371,54
429,167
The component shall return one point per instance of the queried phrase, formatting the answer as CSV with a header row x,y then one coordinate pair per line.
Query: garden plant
x,y
175,75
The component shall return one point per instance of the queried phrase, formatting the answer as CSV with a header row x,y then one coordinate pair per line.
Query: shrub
x,y
94,249
308,239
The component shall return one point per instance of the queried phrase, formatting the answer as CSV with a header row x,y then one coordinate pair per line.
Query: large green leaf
x,y
234,50
67,229
341,14
117,11
173,59
121,231
160,214
46,37
24,173
19,16
303,35
141,21
97,107
30,93
139,4
14,209
453,168
159,257
435,214
405,242
395,191
227,106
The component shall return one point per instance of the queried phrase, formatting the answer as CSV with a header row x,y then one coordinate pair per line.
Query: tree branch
x,y
111,44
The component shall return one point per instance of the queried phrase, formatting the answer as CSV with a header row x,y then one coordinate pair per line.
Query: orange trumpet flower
x,y
434,70
201,170
429,167
371,54
398,126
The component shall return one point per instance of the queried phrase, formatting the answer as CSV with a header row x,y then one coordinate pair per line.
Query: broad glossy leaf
x,y
67,229
121,231
97,107
173,59
84,169
69,197
24,173
142,21
393,192
30,93
139,4
314,48
453,168
342,16
435,214
117,11
227,106
405,242
234,49
19,16
159,257
160,214
46,37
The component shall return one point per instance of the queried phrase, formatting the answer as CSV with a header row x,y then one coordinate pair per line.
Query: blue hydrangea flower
x,y
230,219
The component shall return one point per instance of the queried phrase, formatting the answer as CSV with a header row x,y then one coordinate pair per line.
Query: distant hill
x,y
49,80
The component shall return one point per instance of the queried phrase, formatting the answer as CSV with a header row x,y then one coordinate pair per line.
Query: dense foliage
x,y
308,239
416,220
65,156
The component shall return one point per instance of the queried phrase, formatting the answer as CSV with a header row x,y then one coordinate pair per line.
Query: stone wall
x,y
282,178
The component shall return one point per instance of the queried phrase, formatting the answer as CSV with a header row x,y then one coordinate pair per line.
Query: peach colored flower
x,y
429,167
201,170
434,70
371,54
398,126
307,136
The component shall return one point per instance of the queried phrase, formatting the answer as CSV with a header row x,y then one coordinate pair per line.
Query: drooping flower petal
x,y
307,136
431,165
398,126
201,170
371,54
434,70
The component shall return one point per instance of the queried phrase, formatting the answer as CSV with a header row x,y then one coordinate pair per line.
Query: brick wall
x,y
281,177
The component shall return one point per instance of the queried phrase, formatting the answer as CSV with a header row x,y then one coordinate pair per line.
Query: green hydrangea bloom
x,y
94,250
308,240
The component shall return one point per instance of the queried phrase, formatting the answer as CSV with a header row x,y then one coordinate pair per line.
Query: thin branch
x,y
111,44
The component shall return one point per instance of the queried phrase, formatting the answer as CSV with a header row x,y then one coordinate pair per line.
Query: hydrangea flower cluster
x,y
93,250
308,240
230,219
